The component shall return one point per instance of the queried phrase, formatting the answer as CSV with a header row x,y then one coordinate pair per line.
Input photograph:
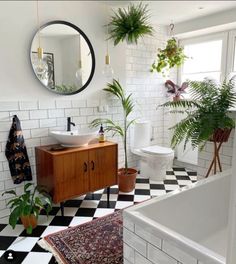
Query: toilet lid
x,y
157,150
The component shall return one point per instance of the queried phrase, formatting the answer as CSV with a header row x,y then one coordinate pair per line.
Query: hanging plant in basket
x,y
130,24
169,57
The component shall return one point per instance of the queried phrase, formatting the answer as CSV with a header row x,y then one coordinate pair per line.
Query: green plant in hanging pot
x,y
207,113
126,175
130,24
28,205
169,57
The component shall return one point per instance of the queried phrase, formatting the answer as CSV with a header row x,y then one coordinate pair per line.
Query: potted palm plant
x,y
207,115
126,175
27,206
130,24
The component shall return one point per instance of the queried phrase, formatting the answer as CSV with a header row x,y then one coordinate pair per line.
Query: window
x,y
206,58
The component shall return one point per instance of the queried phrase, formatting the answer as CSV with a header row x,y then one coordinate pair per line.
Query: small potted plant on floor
x,y
126,175
27,206
130,24
207,115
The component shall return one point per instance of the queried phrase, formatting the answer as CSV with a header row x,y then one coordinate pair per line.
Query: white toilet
x,y
155,160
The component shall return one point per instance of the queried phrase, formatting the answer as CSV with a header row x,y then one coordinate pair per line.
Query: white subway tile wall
x,y
38,118
148,88
141,247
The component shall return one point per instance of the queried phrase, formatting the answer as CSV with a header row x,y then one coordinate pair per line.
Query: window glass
x,y
204,60
201,76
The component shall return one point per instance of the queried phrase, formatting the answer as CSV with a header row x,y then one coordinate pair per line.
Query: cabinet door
x,y
102,167
71,175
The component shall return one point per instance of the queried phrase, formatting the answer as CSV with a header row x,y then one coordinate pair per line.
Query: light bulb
x,y
40,66
107,70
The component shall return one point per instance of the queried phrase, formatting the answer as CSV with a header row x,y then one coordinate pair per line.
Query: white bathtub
x,y
186,226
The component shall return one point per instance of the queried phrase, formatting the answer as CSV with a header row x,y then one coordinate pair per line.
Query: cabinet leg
x,y
108,197
62,208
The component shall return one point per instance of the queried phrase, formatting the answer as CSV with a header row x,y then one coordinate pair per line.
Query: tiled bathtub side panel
x,y
142,246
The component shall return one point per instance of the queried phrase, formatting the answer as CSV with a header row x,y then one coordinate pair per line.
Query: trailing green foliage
x,y
63,88
130,24
116,89
167,58
206,112
30,202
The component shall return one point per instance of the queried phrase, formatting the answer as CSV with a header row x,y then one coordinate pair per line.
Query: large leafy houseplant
x,y
130,24
172,55
207,112
28,205
117,90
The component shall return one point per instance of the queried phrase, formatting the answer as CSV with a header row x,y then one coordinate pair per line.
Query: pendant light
x,y
40,66
107,69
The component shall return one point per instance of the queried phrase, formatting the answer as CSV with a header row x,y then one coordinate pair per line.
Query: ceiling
x,y
163,12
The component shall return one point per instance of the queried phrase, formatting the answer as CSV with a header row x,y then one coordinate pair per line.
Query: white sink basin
x,y
74,138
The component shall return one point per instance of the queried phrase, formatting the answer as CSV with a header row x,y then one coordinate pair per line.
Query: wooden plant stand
x,y
219,137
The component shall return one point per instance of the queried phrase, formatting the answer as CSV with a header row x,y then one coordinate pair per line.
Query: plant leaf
x,y
27,185
29,230
14,217
9,192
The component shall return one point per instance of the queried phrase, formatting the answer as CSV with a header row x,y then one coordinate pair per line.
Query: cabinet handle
x,y
85,167
93,165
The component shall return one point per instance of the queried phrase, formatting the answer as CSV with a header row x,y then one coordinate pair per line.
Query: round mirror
x,y
62,57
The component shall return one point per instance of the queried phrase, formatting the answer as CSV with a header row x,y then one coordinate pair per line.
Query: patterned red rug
x,y
97,242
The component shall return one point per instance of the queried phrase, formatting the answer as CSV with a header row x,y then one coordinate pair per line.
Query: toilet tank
x,y
141,134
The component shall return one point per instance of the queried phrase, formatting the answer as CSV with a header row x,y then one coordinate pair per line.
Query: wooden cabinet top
x,y
58,150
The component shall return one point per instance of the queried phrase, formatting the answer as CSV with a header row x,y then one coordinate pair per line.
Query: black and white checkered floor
x,y
81,210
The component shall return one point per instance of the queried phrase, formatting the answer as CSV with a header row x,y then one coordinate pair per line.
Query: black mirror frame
x,y
90,47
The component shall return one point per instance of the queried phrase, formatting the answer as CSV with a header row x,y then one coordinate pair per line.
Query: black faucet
x,y
69,123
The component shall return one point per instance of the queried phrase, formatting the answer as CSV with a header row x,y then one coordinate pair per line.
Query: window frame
x,y
231,50
206,38
224,68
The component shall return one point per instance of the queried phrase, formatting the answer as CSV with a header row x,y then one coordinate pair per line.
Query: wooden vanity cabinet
x,y
76,171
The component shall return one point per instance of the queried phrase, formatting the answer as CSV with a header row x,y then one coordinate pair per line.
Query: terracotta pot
x,y
176,98
221,135
29,220
126,182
